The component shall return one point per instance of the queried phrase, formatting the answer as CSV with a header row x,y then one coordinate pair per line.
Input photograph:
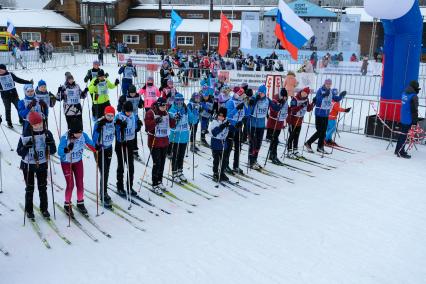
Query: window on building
x,y
31,36
97,15
159,39
84,14
195,16
131,39
235,42
214,41
185,40
110,15
70,37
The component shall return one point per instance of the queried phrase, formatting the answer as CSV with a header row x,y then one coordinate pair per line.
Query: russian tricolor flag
x,y
291,30
11,28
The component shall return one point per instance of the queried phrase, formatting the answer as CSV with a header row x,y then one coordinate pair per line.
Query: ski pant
x,y
274,143
331,128
98,109
402,138
178,155
233,139
104,163
9,98
255,142
217,157
245,131
194,132
29,189
73,120
122,158
321,127
293,138
158,161
73,171
125,84
19,61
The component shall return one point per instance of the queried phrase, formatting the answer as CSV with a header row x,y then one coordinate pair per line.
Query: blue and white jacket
x,y
76,154
259,111
218,140
130,131
323,101
108,134
180,134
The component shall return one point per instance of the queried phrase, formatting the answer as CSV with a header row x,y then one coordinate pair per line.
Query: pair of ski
x,y
294,168
271,174
227,184
311,162
6,206
187,185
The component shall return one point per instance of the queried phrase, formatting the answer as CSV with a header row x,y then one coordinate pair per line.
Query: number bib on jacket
x,y
261,109
77,152
135,103
73,96
108,131
183,123
6,82
40,148
102,88
128,72
163,129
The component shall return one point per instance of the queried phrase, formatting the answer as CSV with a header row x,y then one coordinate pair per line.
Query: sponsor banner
x,y
373,68
152,62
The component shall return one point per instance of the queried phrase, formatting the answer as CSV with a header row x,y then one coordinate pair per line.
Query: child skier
x,y
194,107
276,122
169,92
98,89
29,104
128,71
93,73
332,117
8,92
179,136
157,125
299,105
70,151
219,131
206,112
70,93
43,95
103,137
137,103
125,131
150,93
35,145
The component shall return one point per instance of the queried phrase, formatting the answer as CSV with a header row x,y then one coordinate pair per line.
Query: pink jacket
x,y
150,95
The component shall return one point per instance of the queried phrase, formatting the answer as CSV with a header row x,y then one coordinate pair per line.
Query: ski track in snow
x,y
364,222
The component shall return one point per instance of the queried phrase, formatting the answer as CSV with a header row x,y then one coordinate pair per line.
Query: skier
x,y
150,93
70,151
103,137
8,92
206,113
258,107
194,107
93,73
224,96
128,71
98,89
70,93
332,117
166,74
169,92
34,146
322,103
249,93
125,131
137,103
179,136
409,116
43,95
236,112
219,130
276,122
157,125
299,105
29,104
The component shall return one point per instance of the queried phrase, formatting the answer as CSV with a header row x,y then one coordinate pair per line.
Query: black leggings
x,y
158,160
293,138
321,124
178,154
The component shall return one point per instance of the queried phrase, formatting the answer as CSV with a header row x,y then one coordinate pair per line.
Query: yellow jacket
x,y
99,92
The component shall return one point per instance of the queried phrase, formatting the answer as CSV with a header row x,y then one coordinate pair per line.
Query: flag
x,y
291,30
106,35
225,28
175,22
11,28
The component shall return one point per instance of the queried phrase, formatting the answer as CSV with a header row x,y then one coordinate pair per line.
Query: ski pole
x,y
128,177
5,136
147,161
90,116
97,183
1,173
221,164
56,123
193,151
177,157
272,138
307,131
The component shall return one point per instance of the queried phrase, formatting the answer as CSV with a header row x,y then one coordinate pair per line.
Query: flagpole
x,y
208,31
232,19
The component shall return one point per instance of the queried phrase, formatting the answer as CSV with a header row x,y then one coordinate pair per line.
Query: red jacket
x,y
160,142
335,109
298,107
272,122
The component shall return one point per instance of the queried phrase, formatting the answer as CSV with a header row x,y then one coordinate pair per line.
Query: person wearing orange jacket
x,y
332,119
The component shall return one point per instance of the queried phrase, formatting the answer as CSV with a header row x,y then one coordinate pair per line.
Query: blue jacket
x,y
259,111
76,154
108,134
233,114
218,140
130,131
128,71
409,107
323,101
180,134
23,110
195,109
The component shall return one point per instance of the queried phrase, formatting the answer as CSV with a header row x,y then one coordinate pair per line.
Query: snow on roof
x,y
203,7
365,17
22,18
163,25
31,4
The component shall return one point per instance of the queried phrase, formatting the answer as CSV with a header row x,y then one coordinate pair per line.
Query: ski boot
x,y
30,215
45,214
277,162
322,151
193,148
216,177
157,190
237,170
224,177
228,170
121,191
10,125
133,192
181,177
255,166
82,208
106,199
162,187
68,209
403,155
308,148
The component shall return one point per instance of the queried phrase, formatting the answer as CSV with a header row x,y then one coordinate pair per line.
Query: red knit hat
x,y
306,90
34,118
109,109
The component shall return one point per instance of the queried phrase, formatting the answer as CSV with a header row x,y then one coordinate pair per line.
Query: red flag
x,y
106,34
225,28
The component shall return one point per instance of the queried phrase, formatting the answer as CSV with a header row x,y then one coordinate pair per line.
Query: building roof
x,y
31,4
305,9
163,25
203,7
365,17
99,1
29,18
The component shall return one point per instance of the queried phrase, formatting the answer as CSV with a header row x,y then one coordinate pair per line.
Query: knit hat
x,y
262,89
76,127
69,76
68,73
96,62
415,85
101,73
34,118
222,111
41,83
132,89
150,79
179,97
128,106
28,87
328,81
236,89
306,90
3,67
109,109
161,101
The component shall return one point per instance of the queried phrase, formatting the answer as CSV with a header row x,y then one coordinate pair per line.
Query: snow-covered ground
x,y
363,222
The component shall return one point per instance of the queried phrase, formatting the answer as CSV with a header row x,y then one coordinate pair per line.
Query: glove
x,y
86,79
69,148
240,106
348,109
343,94
252,102
106,75
98,147
96,82
29,144
238,124
49,140
158,119
117,82
138,125
101,124
60,89
177,116
43,105
122,124
32,104
226,123
52,99
32,82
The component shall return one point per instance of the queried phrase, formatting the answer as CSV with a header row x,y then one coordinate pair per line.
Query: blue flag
x,y
174,24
